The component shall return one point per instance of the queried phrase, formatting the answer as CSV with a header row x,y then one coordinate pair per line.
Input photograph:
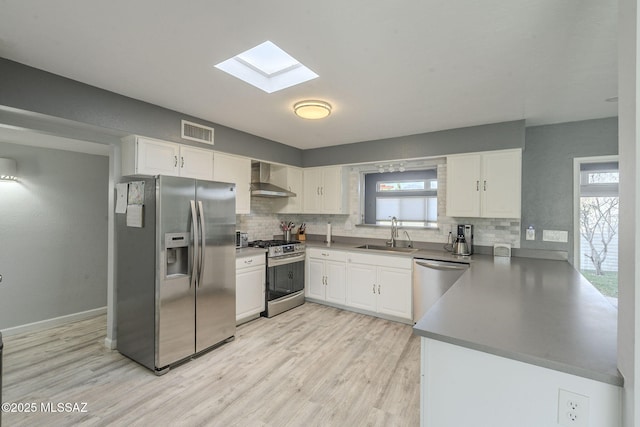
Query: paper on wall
x,y
134,215
121,197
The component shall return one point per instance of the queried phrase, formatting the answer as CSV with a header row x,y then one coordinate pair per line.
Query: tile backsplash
x,y
262,223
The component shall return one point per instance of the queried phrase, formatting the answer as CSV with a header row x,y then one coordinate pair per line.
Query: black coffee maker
x,y
463,245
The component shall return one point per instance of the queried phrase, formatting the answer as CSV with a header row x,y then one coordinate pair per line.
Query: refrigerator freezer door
x,y
175,296
216,289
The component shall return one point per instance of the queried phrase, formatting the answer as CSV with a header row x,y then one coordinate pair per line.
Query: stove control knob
x,y
277,250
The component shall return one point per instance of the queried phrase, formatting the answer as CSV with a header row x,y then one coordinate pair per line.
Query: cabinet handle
x,y
378,289
374,288
182,159
175,161
322,191
485,185
318,191
477,185
249,261
325,254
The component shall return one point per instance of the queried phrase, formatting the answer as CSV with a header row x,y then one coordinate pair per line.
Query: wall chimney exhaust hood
x,y
260,185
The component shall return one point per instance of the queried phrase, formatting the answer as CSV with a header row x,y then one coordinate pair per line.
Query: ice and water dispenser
x,y
177,253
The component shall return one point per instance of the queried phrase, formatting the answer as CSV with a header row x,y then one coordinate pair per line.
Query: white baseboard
x,y
56,321
110,344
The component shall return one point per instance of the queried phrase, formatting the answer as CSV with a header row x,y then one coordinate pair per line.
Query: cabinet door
x,y
361,286
463,185
394,296
196,162
237,170
501,184
315,279
157,157
294,184
331,190
250,289
312,199
335,282
290,178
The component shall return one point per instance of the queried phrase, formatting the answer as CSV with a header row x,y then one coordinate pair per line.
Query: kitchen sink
x,y
387,248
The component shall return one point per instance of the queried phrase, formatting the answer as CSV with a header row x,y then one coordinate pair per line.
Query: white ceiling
x,y
389,68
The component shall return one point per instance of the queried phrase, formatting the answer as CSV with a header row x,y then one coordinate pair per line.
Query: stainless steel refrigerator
x,y
175,269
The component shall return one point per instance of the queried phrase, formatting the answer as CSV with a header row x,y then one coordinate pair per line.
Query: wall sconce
x,y
8,170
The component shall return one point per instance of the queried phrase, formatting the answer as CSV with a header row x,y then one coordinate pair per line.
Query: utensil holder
x,y
287,235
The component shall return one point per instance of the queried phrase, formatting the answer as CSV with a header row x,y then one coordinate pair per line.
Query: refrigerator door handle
x,y
203,243
194,258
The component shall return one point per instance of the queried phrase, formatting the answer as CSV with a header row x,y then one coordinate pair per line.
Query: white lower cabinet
x,y
250,287
326,273
380,284
375,284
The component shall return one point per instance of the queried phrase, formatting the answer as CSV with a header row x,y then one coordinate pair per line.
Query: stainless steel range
x,y
285,275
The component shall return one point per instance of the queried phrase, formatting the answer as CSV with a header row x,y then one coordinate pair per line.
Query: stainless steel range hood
x,y
260,185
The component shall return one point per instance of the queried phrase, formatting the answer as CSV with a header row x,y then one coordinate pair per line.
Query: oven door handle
x,y
277,261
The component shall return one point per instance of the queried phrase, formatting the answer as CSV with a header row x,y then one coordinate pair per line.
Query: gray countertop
x,y
247,252
537,311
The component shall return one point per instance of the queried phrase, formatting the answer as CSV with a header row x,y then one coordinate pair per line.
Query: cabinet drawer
x,y
379,260
250,261
326,254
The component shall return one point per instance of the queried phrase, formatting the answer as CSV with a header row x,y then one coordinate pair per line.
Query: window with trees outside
x,y
599,205
411,197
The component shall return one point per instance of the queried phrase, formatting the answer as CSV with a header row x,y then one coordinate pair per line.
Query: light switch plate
x,y
555,236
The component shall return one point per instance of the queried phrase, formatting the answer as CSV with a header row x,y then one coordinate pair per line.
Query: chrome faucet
x,y
409,239
394,232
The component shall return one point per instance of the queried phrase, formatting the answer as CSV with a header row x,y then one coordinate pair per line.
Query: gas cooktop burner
x,y
271,243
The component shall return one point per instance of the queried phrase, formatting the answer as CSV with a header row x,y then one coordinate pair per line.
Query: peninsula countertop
x,y
536,311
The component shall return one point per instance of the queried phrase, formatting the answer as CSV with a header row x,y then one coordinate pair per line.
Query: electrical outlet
x,y
573,409
555,236
531,233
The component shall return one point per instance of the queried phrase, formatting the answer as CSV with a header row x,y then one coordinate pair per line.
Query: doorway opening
x,y
597,204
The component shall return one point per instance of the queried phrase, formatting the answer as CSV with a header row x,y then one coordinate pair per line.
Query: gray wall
x,y
496,136
53,230
547,174
30,89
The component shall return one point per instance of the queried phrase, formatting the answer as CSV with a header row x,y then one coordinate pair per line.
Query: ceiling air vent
x,y
196,132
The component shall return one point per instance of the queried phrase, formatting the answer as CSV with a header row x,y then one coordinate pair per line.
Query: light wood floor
x,y
311,366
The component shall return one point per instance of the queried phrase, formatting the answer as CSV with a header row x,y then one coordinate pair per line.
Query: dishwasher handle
x,y
443,266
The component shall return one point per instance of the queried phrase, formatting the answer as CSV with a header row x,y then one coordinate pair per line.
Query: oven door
x,y
285,276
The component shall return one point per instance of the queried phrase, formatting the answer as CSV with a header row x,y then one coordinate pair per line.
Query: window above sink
x,y
411,196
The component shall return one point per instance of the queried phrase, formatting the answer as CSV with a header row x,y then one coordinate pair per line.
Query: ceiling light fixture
x,y
8,170
312,109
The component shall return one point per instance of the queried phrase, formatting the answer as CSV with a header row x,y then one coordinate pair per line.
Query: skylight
x,y
267,67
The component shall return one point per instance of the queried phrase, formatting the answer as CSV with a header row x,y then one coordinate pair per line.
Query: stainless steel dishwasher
x,y
431,279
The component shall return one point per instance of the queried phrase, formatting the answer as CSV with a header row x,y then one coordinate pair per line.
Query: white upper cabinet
x,y
228,168
325,190
147,156
196,162
484,184
289,178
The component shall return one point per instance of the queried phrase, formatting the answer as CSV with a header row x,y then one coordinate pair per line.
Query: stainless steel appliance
x,y
261,185
176,273
463,244
242,239
285,275
431,279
